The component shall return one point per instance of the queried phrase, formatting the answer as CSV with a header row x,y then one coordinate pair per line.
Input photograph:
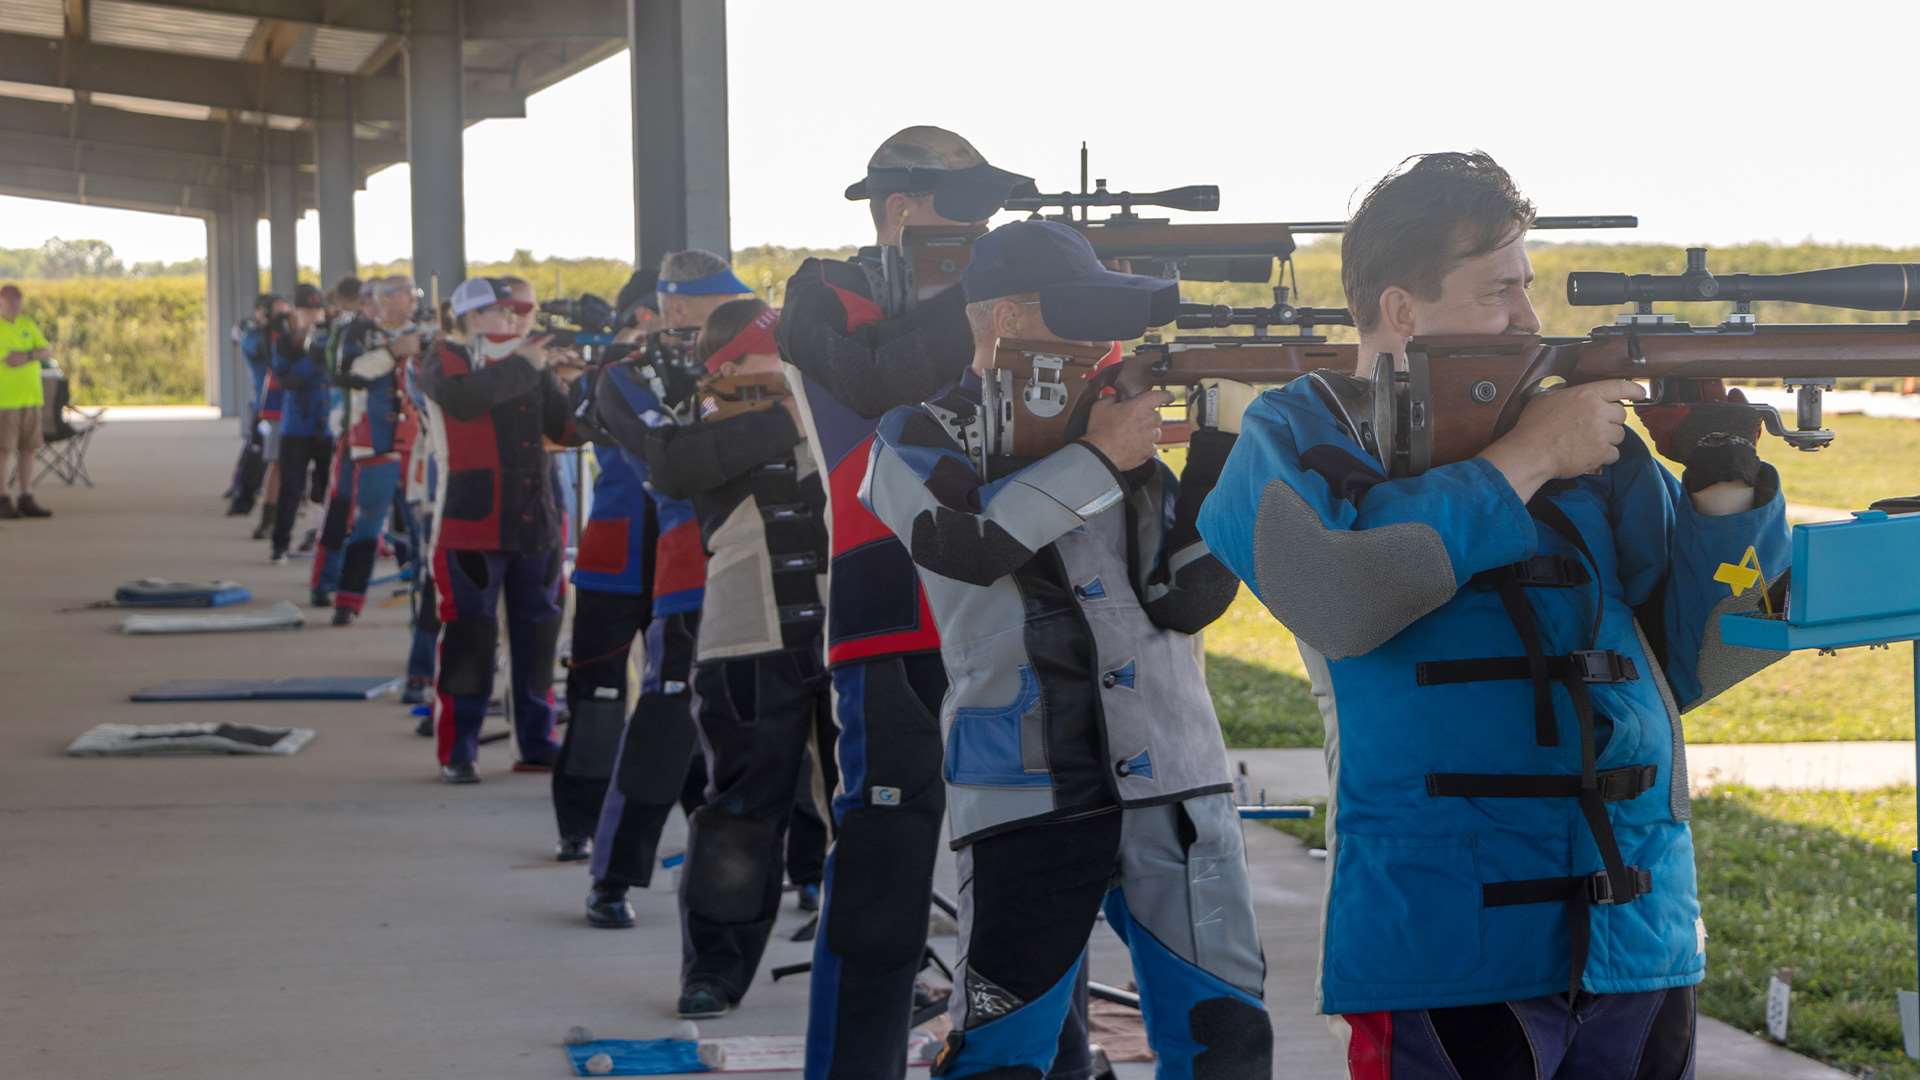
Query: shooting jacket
x,y
848,366
628,411
381,422
1067,597
761,508
1501,684
489,408
299,375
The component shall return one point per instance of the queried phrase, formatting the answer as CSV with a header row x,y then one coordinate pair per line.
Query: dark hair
x,y
726,322
1422,220
347,289
9,289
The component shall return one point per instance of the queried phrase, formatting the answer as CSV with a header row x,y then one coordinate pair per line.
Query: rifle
x,y
723,397
1037,395
928,260
1457,394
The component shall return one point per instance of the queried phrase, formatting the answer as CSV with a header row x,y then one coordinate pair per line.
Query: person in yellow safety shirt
x,y
23,348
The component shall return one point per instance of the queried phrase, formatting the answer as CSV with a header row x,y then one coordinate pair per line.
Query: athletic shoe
x,y
417,691
533,766
702,1002
461,772
263,530
607,907
308,541
809,897
278,558
320,598
6,508
424,728
342,617
31,509
573,849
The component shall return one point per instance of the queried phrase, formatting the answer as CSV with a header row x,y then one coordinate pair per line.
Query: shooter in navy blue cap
x,y
1085,769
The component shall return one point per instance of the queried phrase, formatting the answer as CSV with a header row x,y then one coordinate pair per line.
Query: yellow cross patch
x,y
1742,577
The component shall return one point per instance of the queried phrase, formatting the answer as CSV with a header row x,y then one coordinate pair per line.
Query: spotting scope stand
x,y
1853,583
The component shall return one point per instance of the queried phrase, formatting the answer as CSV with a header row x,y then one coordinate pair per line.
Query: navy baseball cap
x,y
1080,300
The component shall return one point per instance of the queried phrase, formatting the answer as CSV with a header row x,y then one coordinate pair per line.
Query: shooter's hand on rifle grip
x,y
1219,404
1565,432
1665,422
1126,432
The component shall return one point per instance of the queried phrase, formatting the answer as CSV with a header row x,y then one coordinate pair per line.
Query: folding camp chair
x,y
67,430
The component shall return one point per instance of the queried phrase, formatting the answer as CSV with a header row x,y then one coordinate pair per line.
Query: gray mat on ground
x,y
281,616
144,740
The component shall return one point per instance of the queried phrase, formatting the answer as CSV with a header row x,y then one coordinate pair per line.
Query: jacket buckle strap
x,y
1602,889
1601,666
1614,785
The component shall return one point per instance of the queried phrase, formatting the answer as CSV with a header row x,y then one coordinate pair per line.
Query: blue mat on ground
x,y
162,593
639,1057
321,688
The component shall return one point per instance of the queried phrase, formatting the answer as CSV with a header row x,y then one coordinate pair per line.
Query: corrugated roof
x,y
142,26
343,51
59,95
41,18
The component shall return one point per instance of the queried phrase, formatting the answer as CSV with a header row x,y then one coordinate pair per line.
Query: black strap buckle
x,y
1600,886
1601,666
1620,785
1547,571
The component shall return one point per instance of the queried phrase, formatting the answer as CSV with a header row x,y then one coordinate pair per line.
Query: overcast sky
x,y
1715,122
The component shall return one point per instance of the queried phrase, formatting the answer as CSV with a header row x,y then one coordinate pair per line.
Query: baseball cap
x,y
1080,300
308,296
926,158
481,292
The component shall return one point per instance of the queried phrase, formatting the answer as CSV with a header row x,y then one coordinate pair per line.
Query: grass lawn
x,y
1260,688
1819,882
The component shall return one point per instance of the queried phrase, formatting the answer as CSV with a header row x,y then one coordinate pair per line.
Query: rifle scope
x,y
1191,197
1872,287
1215,316
1567,221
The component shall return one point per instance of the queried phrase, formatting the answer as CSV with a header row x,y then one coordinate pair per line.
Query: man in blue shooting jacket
x,y
1501,649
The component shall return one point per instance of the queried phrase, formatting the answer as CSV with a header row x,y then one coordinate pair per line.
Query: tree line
x,y
127,336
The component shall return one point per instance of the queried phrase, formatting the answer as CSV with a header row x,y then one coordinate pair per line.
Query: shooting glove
x,y
1219,405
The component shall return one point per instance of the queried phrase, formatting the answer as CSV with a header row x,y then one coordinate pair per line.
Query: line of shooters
x,y
908,551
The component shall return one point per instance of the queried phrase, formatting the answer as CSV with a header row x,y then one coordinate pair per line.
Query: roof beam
x,y
202,139
485,19
220,84
33,182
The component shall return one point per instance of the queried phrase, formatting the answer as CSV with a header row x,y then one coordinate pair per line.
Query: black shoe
x,y
424,728
308,541
239,509
31,509
459,773
320,598
342,617
7,512
278,558
702,1002
262,531
607,907
573,849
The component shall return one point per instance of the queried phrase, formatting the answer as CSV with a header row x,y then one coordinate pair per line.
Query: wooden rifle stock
x,y
928,260
723,397
1458,394
1037,395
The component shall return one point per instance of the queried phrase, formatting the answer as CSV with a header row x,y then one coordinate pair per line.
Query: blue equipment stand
x,y
1853,583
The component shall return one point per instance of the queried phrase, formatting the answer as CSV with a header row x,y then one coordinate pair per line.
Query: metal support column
x,y
241,274
678,50
283,217
334,162
435,123
222,358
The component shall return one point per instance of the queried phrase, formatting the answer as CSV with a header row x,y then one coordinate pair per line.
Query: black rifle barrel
x,y
1191,197
1570,221
1872,287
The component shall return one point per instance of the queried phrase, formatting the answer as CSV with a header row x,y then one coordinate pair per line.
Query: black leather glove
x,y
1717,442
